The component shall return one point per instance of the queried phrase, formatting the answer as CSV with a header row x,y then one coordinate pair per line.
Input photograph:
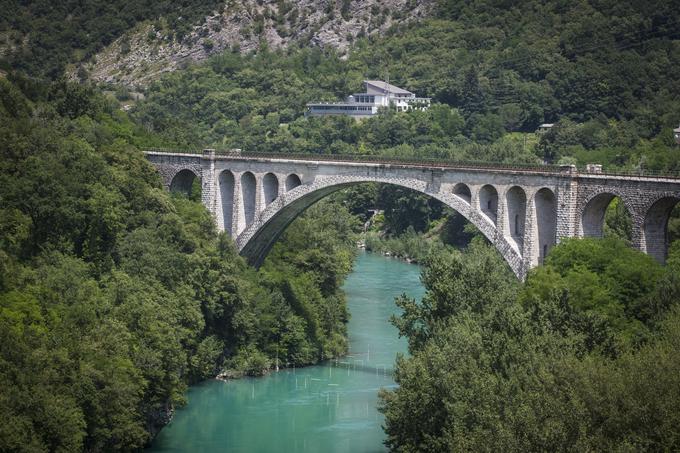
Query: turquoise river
x,y
326,408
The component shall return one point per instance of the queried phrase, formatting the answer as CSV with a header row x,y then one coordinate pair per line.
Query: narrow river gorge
x,y
325,408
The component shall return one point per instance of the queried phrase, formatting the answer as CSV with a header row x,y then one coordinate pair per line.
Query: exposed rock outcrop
x,y
151,49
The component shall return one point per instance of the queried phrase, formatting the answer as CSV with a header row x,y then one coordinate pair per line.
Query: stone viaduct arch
x,y
256,241
653,234
523,212
183,181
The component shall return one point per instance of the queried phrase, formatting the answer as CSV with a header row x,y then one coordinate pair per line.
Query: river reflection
x,y
325,408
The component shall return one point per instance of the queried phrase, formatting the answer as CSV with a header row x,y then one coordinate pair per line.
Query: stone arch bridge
x,y
523,211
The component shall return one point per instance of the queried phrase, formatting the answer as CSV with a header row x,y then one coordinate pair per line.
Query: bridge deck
x,y
567,170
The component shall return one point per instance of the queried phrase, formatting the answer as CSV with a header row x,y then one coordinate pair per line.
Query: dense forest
x,y
115,295
42,37
582,357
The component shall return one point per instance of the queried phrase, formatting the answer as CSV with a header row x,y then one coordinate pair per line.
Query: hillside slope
x,y
605,73
41,37
140,55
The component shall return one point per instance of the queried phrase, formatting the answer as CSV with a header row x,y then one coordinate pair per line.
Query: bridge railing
x,y
174,150
646,173
410,161
365,158
425,162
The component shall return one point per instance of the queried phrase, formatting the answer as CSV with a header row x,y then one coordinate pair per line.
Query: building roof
x,y
546,125
677,129
381,85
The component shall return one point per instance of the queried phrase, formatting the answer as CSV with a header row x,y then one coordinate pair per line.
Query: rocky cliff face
x,y
142,54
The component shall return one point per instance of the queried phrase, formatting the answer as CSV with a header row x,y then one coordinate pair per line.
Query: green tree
x,y
554,364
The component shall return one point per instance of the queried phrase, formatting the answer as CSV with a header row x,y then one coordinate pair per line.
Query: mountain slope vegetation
x,y
114,295
41,37
604,72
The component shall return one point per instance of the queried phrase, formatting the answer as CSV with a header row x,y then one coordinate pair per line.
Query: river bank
x,y
328,407
410,247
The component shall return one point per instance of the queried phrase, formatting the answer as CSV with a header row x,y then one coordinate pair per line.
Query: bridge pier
x,y
529,251
207,176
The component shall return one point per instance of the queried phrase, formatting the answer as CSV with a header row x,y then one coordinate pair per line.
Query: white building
x,y
545,127
361,105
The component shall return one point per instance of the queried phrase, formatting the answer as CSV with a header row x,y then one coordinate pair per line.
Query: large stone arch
x,y
592,210
654,231
256,240
182,180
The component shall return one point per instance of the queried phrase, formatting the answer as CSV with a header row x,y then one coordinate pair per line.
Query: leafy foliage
x,y
115,295
42,37
550,366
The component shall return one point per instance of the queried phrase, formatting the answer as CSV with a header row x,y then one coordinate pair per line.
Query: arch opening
x,y
488,202
516,202
270,186
605,215
292,181
255,243
655,237
188,183
226,200
248,200
462,191
545,235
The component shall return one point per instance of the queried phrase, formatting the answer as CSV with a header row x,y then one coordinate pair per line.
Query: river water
x,y
326,408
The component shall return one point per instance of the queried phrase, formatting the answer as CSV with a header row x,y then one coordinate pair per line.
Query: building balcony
x,y
340,108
